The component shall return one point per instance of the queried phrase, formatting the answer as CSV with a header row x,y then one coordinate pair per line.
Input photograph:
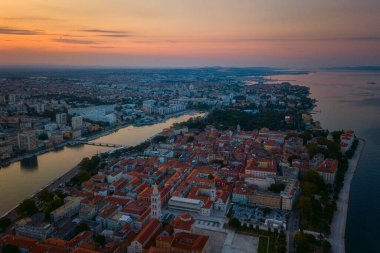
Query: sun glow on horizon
x,y
179,32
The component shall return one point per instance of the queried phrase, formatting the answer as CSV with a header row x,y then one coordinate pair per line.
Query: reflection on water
x,y
29,163
22,179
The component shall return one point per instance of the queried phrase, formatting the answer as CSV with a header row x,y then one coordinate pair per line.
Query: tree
x,y
315,179
4,223
159,138
304,243
326,246
51,205
27,207
100,239
45,196
281,243
9,248
277,188
210,176
82,176
43,137
81,227
235,223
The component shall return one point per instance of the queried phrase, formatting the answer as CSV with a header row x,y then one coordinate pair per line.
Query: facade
x,y
289,195
261,168
155,203
183,243
27,141
38,232
265,198
61,118
71,207
346,140
146,235
77,122
185,204
327,170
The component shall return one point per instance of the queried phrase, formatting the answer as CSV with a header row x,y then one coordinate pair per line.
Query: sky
x,y
184,33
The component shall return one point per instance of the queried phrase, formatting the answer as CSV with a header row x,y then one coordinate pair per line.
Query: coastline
x,y
338,224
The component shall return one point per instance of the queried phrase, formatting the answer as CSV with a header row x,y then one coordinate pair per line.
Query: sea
x,y
351,100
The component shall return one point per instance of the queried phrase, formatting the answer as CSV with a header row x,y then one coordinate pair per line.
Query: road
x,y
293,226
338,225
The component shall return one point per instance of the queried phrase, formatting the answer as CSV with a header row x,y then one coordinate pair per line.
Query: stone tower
x,y
213,193
155,203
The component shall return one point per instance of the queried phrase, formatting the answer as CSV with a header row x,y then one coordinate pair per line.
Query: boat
x,y
371,82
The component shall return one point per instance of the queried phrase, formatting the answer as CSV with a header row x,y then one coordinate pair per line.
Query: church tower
x,y
213,193
155,203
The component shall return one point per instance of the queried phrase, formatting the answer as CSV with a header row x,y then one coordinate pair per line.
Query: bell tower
x,y
155,203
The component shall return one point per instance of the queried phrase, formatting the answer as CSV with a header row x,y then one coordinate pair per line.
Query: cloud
x,y
260,39
351,38
290,38
108,33
28,18
14,31
115,35
73,41
103,31
102,47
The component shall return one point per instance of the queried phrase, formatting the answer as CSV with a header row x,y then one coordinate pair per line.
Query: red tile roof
x,y
148,232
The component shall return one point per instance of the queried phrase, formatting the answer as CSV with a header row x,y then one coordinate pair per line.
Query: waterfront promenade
x,y
338,225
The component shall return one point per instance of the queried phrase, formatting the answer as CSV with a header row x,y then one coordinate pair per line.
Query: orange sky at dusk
x,y
294,33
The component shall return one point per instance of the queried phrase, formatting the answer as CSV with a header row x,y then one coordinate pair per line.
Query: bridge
x,y
111,145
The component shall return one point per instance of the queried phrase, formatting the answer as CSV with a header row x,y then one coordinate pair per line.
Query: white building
x,y
27,140
77,122
149,106
61,118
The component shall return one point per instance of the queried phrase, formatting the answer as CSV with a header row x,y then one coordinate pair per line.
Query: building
x,y
261,167
149,106
6,146
289,195
36,230
25,244
347,138
265,198
77,122
190,205
12,98
70,208
61,118
183,243
146,236
27,141
155,201
327,170
100,113
3,100
183,223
